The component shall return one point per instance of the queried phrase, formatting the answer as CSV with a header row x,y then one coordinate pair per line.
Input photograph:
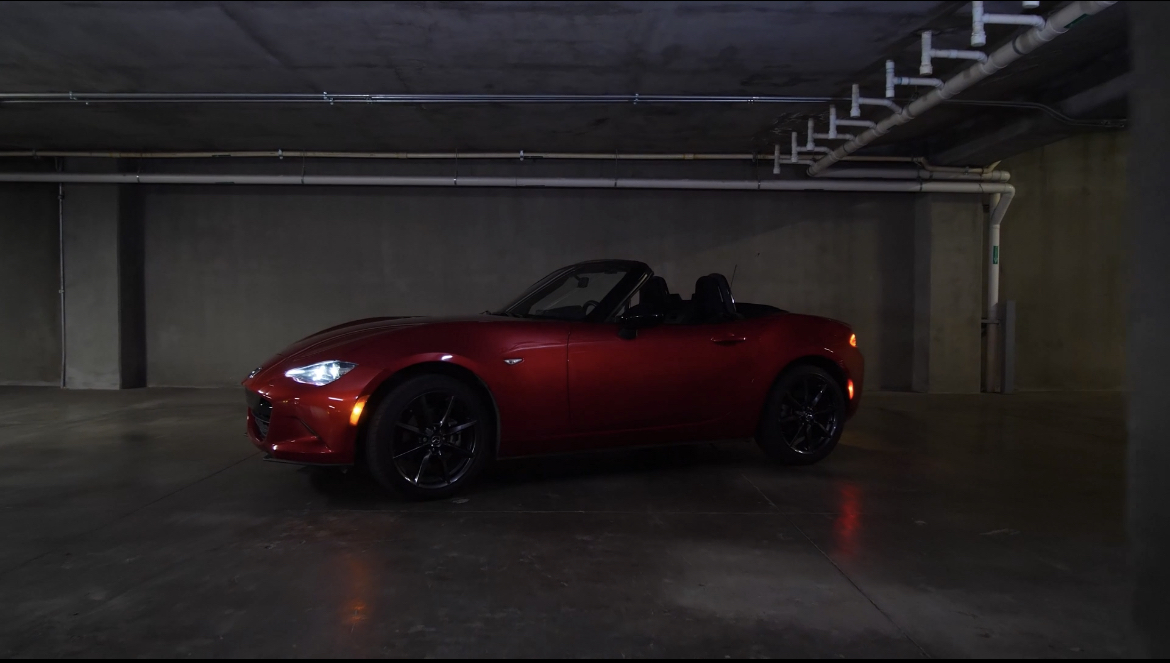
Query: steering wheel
x,y
588,306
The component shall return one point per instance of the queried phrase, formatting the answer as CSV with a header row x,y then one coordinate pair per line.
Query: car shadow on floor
x,y
356,489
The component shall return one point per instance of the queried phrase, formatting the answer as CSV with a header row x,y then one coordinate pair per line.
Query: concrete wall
x,y
233,274
92,302
947,294
1064,257
30,331
1148,497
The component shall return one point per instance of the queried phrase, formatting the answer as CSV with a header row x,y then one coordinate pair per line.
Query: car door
x,y
668,378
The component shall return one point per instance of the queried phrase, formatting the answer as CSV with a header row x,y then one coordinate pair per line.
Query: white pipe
x,y
892,80
914,174
859,101
823,184
978,34
857,123
999,206
834,123
61,271
979,18
280,154
1022,45
88,98
295,154
929,52
924,163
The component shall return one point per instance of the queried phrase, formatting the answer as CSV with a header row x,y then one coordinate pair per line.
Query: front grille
x,y
261,409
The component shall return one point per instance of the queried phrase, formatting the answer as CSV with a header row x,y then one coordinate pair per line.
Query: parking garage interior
x,y
186,188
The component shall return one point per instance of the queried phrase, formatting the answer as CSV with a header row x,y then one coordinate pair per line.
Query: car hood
x,y
360,331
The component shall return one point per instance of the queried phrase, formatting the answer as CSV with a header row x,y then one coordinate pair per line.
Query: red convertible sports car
x,y
596,355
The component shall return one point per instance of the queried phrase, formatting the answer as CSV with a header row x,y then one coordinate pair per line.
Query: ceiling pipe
x,y
328,98
91,98
916,174
858,101
929,52
793,157
824,184
514,156
979,18
1056,25
893,80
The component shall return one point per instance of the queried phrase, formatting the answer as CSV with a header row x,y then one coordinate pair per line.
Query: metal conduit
x,y
893,186
87,98
326,97
1054,26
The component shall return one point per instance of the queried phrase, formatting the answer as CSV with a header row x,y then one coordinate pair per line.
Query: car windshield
x,y
582,292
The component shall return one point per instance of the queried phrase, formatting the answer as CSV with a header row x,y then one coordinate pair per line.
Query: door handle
x,y
728,338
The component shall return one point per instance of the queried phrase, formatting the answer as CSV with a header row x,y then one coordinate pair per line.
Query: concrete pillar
x,y
104,321
947,293
30,328
1148,337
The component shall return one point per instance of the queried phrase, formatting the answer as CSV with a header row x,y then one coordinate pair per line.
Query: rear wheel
x,y
429,438
803,417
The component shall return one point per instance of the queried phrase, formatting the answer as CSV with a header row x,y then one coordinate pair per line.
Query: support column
x,y
104,322
947,293
1148,336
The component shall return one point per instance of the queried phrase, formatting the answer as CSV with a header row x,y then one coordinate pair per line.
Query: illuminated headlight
x,y
321,373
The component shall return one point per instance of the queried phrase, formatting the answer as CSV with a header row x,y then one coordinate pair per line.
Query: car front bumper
x,y
302,423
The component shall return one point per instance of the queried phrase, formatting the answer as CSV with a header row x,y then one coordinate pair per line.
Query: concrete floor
x,y
142,523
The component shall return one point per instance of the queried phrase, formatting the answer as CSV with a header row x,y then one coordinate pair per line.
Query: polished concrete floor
x,y
142,523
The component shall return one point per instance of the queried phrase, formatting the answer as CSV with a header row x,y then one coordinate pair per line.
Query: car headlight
x,y
321,373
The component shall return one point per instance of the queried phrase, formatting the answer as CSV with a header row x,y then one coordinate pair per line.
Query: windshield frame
x,y
636,274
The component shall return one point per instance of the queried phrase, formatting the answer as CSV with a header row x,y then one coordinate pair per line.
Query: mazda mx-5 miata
x,y
593,356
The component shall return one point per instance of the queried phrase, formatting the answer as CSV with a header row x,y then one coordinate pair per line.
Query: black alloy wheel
x,y
429,437
804,416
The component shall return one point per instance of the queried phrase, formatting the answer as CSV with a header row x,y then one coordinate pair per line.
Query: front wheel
x,y
429,438
803,417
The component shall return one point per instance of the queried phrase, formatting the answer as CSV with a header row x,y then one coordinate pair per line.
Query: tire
x,y
798,426
430,437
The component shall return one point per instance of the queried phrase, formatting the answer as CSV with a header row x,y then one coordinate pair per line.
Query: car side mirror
x,y
628,325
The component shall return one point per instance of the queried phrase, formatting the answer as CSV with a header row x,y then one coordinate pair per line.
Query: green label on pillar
x,y
995,255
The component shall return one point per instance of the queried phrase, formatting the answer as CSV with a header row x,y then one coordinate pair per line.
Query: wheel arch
x,y
392,381
820,361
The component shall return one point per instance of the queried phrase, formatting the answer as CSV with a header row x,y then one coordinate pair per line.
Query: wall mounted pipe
x,y
995,350
823,184
328,98
1056,25
914,174
999,205
61,272
439,156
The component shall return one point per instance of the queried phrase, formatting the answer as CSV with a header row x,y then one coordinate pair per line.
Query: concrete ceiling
x,y
694,48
